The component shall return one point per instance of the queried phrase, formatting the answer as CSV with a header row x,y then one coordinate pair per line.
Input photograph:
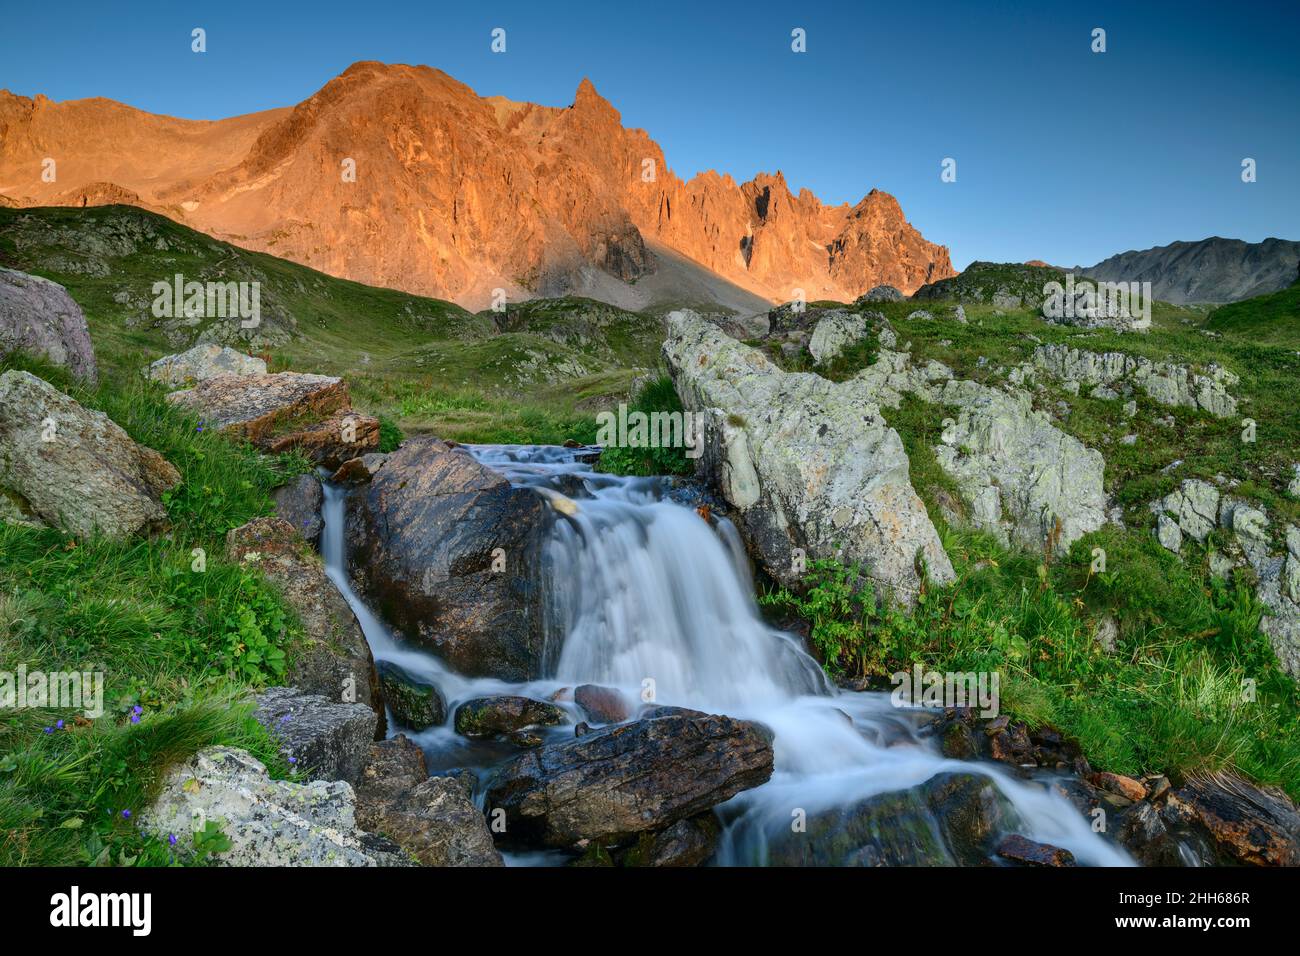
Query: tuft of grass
x,y
659,395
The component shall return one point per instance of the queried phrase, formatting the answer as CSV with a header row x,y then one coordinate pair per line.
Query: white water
x,y
641,589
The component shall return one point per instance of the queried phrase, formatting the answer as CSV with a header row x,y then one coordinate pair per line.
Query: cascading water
x,y
645,596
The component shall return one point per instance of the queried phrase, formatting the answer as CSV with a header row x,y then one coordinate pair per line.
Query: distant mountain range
x,y
1212,270
400,176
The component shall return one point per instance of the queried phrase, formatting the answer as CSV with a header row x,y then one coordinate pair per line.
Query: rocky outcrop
x,y
326,739
421,535
268,822
807,463
1165,382
201,363
335,661
68,466
38,317
610,785
299,503
432,818
283,412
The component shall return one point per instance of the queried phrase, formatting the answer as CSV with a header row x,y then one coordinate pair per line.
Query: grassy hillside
x,y
540,366
1272,319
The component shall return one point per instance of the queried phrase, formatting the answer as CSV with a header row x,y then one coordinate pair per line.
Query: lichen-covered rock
x,y
880,293
38,317
835,332
201,363
612,784
268,822
326,739
73,468
1194,509
435,821
808,464
1089,306
253,407
1170,384
415,703
335,662
421,537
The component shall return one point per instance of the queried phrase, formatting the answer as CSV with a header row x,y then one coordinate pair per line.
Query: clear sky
x,y
1062,154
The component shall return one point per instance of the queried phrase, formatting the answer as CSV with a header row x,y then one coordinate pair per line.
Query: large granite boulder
x,y
268,822
38,317
421,537
612,784
835,332
68,466
808,464
336,662
321,737
204,361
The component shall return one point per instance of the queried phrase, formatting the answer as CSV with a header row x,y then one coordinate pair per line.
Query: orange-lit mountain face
x,y
400,176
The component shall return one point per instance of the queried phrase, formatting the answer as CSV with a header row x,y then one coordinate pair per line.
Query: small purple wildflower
x,y
171,839
126,814
49,730
59,725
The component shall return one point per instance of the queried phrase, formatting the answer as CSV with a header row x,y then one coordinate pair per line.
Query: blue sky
x,y
1062,154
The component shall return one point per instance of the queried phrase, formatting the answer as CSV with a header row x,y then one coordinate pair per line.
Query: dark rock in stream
x,y
686,843
423,536
1246,824
490,716
604,705
1028,852
612,784
415,703
328,740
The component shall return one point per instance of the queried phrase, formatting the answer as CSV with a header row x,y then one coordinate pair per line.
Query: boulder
x,y
880,293
335,662
1193,508
1247,824
611,785
327,740
604,705
284,411
490,716
432,818
808,464
415,703
268,822
71,467
835,332
299,503
201,363
421,537
686,843
38,317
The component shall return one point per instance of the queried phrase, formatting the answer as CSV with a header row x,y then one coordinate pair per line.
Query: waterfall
x,y
644,595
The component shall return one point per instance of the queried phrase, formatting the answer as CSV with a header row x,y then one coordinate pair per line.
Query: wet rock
x,y
201,363
959,742
807,463
435,821
393,767
1247,824
489,716
422,538
415,703
1028,852
603,705
268,822
70,467
328,740
970,812
335,660
299,503
38,317
1142,832
889,829
615,783
686,843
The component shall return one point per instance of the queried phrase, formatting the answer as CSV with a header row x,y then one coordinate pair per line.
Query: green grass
x,y
1266,320
182,646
